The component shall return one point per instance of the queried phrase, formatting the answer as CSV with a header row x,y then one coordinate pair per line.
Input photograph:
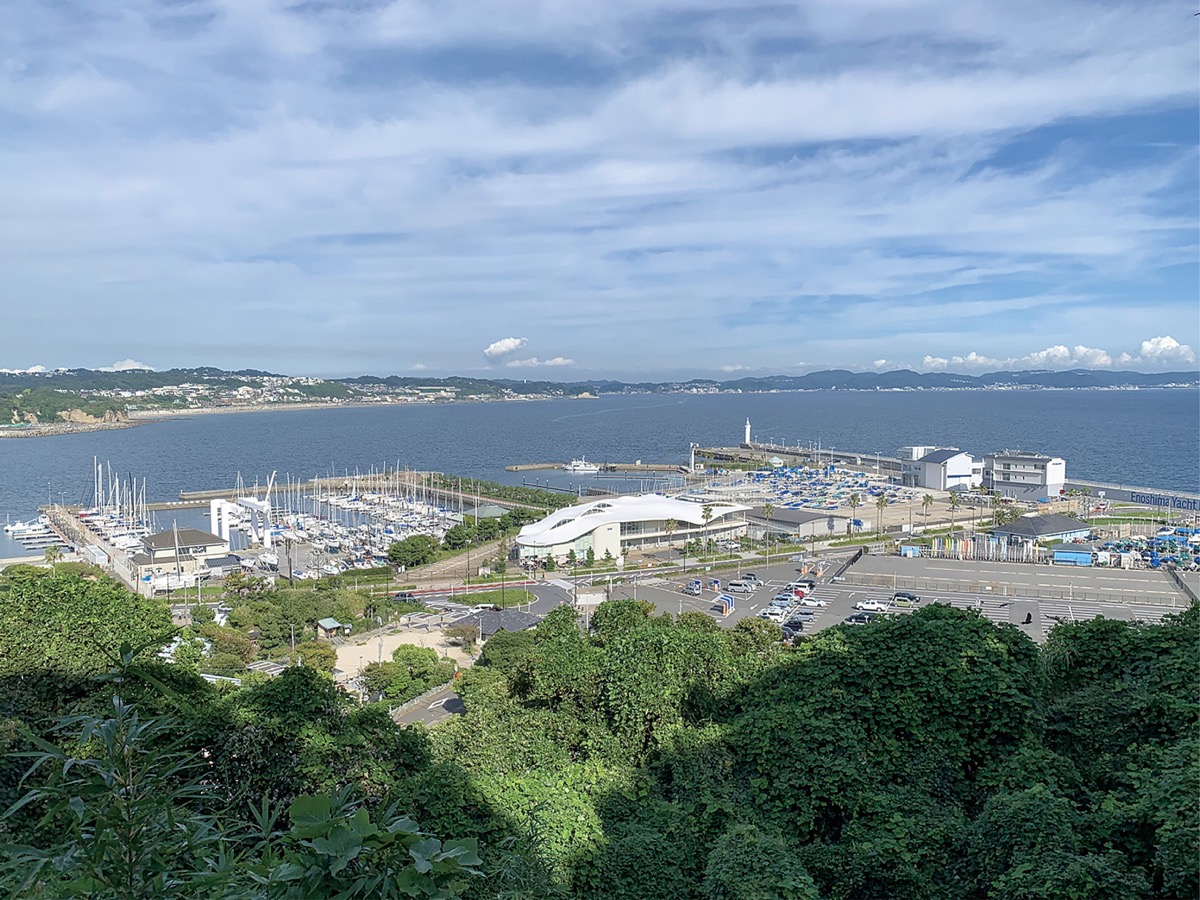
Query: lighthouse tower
x,y
747,431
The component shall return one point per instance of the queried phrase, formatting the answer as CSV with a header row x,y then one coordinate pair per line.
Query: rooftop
x,y
1042,526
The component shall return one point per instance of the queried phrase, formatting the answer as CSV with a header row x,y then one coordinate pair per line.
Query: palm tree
x,y
881,503
706,513
854,502
926,502
669,528
954,504
53,555
768,512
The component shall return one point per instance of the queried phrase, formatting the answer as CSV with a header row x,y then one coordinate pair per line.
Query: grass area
x,y
507,597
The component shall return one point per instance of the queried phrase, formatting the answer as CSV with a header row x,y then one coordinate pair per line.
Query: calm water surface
x,y
1149,438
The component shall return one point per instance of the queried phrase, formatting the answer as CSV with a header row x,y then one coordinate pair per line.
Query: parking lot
x,y
1001,592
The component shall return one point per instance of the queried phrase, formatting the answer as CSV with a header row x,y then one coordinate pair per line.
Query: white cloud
x,y
124,365
733,368
879,363
1155,353
534,362
504,346
419,367
661,191
1166,349
32,370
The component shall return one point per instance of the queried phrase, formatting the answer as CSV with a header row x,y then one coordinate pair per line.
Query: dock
x,y
610,468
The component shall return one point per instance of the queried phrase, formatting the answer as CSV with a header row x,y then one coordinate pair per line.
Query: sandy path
x,y
365,650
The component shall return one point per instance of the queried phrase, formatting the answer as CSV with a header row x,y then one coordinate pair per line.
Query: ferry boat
x,y
581,467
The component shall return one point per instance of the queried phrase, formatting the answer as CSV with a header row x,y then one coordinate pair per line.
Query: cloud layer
x,y
641,187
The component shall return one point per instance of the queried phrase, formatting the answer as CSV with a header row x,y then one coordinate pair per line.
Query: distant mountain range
x,y
135,380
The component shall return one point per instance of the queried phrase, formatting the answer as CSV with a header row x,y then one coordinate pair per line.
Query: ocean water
x,y
1148,438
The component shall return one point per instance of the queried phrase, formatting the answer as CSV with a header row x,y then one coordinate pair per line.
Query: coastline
x,y
139,417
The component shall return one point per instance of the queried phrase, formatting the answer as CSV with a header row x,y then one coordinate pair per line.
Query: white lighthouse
x,y
747,441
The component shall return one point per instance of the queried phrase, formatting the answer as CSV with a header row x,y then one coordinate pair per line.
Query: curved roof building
x,y
615,524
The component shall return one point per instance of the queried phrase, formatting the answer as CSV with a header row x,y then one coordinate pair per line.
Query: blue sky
x,y
621,189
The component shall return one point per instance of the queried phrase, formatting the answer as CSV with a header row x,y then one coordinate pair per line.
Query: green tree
x,y
505,649
854,501
748,863
52,554
458,536
613,618
926,502
70,624
955,503
415,550
316,655
881,503
670,526
706,513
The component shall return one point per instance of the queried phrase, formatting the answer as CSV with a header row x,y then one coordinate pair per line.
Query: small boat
x,y
581,467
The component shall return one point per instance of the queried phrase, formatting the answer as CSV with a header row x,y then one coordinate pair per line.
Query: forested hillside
x,y
933,755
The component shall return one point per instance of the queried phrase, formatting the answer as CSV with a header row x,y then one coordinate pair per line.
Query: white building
x,y
910,466
939,468
1024,476
616,524
949,470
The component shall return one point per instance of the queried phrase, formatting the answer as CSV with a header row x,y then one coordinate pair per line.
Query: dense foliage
x,y
933,755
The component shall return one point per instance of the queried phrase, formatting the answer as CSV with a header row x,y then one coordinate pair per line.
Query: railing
x,y
1183,586
409,705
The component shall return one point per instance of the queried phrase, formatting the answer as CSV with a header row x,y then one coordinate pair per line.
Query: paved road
x,y
437,708
1000,599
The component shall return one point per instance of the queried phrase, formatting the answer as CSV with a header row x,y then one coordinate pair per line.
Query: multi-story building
x,y
1024,476
614,525
939,468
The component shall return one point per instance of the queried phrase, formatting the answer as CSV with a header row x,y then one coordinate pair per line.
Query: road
x,y
1003,595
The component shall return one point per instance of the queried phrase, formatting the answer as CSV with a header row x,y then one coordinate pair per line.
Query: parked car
x,y
781,602
872,605
905,598
404,597
811,601
809,583
692,588
741,587
798,620
785,595
750,576
773,614
789,634
860,618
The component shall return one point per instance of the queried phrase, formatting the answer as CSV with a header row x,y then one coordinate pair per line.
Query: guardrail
x,y
1182,585
409,705
999,589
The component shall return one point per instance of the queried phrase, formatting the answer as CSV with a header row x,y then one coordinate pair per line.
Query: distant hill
x,y
216,385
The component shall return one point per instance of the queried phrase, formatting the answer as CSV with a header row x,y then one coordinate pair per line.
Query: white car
x,y
810,601
773,614
872,605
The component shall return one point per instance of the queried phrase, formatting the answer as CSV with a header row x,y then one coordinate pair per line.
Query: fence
x,y
1183,586
409,705
981,587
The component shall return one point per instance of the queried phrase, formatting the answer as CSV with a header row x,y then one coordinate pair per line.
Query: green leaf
x,y
309,810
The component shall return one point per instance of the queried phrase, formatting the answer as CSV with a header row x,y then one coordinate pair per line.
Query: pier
x,y
609,468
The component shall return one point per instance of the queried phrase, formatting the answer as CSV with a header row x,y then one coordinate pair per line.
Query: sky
x,y
632,189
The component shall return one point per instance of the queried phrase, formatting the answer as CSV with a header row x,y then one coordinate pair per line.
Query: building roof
x,y
188,537
941,456
329,623
568,524
486,511
223,562
1020,454
1042,526
490,621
